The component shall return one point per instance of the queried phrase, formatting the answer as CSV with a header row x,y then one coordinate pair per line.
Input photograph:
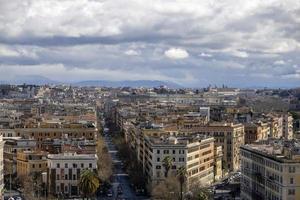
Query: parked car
x,y
110,193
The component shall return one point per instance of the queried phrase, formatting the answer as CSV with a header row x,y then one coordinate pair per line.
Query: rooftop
x,y
280,149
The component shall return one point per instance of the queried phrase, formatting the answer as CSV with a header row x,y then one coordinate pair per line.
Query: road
x,y
120,177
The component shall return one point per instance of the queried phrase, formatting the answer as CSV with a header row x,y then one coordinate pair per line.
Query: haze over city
x,y
190,43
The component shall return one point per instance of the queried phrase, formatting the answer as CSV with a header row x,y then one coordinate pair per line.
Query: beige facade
x,y
287,126
229,136
195,154
30,162
256,131
40,134
276,126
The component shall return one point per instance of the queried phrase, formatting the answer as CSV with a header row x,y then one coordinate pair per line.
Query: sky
x,y
193,43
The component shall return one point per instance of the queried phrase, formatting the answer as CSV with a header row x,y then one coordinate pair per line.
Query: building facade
x,y
195,154
270,170
64,172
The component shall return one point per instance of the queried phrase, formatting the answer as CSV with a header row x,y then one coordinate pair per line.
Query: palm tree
x,y
167,163
88,183
181,174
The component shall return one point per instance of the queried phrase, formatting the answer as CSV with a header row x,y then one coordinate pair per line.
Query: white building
x,y
205,111
270,170
65,169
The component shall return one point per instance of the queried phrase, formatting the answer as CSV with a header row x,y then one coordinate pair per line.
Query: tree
x,y
27,186
199,192
104,161
181,175
88,183
167,163
167,189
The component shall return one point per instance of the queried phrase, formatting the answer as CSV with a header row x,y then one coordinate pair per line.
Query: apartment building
x,y
64,172
227,135
12,146
196,154
256,131
71,145
30,162
57,131
287,126
271,170
1,166
275,126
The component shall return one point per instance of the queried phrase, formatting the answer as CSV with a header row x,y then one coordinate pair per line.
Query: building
x,y
275,126
196,154
287,126
256,131
12,146
57,131
30,162
271,170
64,172
205,111
227,135
1,166
69,145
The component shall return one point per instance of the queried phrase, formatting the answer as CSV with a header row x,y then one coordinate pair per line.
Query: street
x,y
120,178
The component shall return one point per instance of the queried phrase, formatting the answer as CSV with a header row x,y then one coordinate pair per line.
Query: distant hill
x,y
41,80
138,83
32,80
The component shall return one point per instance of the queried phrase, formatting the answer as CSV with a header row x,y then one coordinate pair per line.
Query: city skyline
x,y
236,43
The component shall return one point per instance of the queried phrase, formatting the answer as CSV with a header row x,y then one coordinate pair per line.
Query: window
x,y
90,165
66,188
158,151
158,167
66,165
181,159
291,191
82,165
66,176
174,167
74,165
158,174
74,177
158,159
40,166
291,180
166,151
57,177
33,165
57,165
292,169
174,159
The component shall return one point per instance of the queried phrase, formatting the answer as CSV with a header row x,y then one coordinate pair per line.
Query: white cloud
x,y
205,55
176,53
279,62
240,54
8,52
132,52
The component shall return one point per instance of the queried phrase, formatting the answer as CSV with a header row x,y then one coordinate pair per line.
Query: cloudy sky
x,y
192,43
